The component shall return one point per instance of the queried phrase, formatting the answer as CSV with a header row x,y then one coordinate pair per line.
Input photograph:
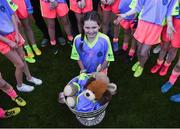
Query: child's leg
x,y
136,65
9,113
116,28
26,69
14,57
2,113
67,26
78,18
27,47
106,21
51,30
133,48
127,36
160,60
30,35
172,79
175,73
28,30
143,56
133,45
169,58
8,89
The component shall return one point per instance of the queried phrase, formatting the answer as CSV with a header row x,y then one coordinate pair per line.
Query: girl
x,y
50,9
153,13
80,7
8,89
170,45
11,46
110,7
92,48
128,24
24,12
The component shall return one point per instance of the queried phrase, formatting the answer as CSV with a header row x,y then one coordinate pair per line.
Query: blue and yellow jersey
x,y
92,53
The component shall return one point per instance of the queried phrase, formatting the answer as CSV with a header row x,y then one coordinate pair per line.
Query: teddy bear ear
x,y
112,88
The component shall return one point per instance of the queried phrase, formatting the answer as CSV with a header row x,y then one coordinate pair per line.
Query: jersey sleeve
x,y
139,5
11,6
109,54
170,7
74,53
133,4
29,6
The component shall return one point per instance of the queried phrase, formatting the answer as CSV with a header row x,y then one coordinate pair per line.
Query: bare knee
x,y
165,47
2,83
20,65
144,53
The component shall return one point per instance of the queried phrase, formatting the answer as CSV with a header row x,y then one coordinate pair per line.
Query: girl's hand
x,y
119,18
79,4
53,5
170,30
109,2
12,44
99,68
83,3
104,2
17,38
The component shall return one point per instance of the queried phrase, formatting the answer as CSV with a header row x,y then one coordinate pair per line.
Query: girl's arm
x,y
170,27
122,16
16,27
104,65
8,42
81,65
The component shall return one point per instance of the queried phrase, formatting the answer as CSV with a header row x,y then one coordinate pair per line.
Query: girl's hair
x,y
94,16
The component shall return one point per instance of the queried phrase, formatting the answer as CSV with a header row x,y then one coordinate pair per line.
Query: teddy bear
x,y
88,92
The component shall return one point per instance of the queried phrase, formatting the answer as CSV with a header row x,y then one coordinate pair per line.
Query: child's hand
x,y
12,44
83,3
53,5
17,38
109,2
170,30
99,68
104,2
119,18
79,4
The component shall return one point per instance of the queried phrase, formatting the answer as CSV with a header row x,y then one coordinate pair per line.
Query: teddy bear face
x,y
98,88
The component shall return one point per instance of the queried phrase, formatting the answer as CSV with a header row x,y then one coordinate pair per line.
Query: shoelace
x,y
19,99
10,113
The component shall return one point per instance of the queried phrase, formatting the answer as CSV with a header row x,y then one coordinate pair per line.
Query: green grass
x,y
138,102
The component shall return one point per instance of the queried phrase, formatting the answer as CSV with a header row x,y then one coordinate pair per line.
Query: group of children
x,y
143,22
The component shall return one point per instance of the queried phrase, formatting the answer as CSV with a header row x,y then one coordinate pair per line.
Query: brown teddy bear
x,y
89,93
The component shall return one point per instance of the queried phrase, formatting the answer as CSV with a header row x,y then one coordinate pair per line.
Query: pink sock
x,y
131,52
174,77
2,113
53,42
12,93
70,37
167,64
115,40
125,46
160,62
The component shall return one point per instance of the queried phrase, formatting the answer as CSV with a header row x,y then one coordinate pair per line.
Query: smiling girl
x,y
92,48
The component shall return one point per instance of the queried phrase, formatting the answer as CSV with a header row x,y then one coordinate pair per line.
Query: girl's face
x,y
91,28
